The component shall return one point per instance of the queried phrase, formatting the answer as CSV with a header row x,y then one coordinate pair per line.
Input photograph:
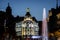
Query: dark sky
x,y
36,6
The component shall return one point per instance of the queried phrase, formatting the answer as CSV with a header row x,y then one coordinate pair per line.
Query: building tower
x,y
56,3
8,10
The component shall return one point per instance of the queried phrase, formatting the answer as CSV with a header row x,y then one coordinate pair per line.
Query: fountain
x,y
44,26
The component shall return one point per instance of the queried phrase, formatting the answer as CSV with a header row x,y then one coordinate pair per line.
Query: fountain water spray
x,y
44,26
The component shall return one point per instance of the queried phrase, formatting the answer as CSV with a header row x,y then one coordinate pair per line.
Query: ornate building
x,y
27,27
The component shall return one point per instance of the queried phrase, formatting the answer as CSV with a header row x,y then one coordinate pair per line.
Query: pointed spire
x,y
56,3
8,4
8,8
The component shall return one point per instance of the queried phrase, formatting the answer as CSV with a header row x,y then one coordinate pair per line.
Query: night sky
x,y
36,6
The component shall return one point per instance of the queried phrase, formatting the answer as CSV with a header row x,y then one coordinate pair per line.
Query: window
x,y
50,13
58,16
23,25
18,25
36,29
19,33
31,25
35,24
36,33
18,29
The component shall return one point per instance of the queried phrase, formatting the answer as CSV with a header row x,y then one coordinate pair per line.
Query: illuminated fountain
x,y
44,26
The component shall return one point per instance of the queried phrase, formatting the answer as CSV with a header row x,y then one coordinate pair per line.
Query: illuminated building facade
x,y
27,27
